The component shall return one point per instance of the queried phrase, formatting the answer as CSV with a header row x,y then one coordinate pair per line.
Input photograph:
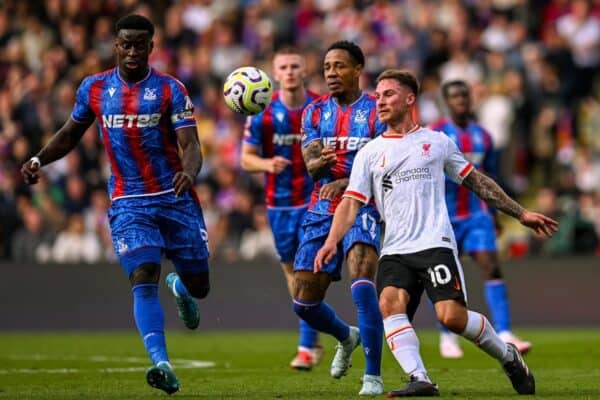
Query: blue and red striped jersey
x,y
276,132
137,124
476,144
347,129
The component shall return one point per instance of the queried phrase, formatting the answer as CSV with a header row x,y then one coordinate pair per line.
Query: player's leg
x,y
443,280
310,288
190,282
361,246
476,328
149,318
186,244
138,244
309,292
480,242
399,295
496,296
287,227
449,341
309,352
362,265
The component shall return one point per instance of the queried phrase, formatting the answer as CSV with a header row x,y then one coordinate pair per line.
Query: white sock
x,y
404,344
482,333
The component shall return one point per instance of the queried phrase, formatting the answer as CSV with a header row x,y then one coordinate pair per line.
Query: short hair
x,y
405,78
352,48
447,85
287,50
136,22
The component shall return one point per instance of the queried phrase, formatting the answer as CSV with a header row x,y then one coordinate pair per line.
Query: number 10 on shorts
x,y
439,275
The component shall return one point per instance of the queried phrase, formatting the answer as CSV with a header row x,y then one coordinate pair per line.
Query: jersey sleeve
x,y
308,126
82,112
182,108
253,130
360,185
455,164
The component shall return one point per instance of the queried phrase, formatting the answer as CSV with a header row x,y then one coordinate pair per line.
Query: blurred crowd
x,y
533,67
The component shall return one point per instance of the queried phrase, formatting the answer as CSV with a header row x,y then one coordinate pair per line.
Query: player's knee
x,y
493,272
145,273
386,307
392,301
307,287
197,285
454,321
199,291
362,261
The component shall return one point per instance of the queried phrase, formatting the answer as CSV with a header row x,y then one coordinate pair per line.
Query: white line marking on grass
x,y
177,364
38,371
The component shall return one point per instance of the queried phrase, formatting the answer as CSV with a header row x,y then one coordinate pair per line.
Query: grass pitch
x,y
254,365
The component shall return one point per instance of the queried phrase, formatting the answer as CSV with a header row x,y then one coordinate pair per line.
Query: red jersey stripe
x,y
269,147
462,195
96,106
134,138
298,167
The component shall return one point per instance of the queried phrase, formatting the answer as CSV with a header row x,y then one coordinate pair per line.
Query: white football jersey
x,y
405,177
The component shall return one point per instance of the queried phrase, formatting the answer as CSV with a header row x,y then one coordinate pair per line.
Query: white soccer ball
x,y
248,90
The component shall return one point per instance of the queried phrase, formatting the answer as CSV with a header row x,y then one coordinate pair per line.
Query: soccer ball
x,y
248,90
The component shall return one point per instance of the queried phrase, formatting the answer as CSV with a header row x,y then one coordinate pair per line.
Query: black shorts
x,y
437,271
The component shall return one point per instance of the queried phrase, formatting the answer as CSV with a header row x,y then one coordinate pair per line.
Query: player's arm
x,y
251,161
63,141
490,192
343,219
318,159
191,159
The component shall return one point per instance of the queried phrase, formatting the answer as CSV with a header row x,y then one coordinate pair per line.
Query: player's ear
x,y
410,99
150,47
358,70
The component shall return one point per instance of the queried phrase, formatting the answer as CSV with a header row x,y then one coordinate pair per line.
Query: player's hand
x,y
329,191
31,171
328,156
278,164
324,256
182,182
542,225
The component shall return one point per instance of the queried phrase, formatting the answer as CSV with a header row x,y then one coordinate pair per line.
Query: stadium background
x,y
534,83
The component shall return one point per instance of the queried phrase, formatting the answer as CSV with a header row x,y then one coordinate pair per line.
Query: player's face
x,y
458,100
394,100
133,47
341,75
289,70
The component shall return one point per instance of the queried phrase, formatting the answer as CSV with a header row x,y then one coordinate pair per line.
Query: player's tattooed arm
x,y
63,141
318,159
490,192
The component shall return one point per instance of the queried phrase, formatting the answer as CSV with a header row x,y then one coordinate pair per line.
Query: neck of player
x,y
348,97
460,120
133,76
293,98
403,127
